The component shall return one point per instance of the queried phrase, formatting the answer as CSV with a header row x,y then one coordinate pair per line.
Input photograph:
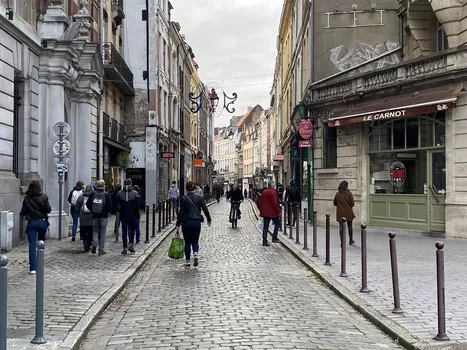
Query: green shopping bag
x,y
177,248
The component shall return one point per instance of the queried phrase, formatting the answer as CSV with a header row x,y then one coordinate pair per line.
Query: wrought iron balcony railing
x,y
117,69
121,133
106,125
114,130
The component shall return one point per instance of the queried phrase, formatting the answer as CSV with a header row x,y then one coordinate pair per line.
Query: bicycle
x,y
233,216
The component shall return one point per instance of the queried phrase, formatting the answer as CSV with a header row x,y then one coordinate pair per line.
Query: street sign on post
x,y
65,129
65,149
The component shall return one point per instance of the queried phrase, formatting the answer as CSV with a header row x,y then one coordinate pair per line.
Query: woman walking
x,y
344,202
138,217
190,219
35,208
85,218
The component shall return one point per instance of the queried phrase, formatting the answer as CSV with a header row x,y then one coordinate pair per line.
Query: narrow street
x,y
242,296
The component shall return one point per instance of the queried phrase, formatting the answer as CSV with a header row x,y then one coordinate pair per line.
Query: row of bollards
x,y
291,212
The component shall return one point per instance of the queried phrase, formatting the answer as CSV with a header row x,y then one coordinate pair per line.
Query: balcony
x,y
117,70
114,132
117,12
418,72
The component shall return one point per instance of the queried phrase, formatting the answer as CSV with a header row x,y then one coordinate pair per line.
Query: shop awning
x,y
400,106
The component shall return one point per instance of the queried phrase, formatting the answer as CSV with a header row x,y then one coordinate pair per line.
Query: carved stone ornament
x,y
345,135
84,19
323,114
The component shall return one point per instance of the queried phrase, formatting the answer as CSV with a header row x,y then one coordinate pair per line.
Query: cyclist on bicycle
x,y
235,195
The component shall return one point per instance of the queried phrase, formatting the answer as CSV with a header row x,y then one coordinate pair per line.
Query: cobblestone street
x,y
242,296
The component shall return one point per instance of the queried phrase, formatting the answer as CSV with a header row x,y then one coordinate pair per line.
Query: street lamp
x,y
197,101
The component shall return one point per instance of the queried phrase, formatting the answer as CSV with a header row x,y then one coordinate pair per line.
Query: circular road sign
x,y
65,131
65,149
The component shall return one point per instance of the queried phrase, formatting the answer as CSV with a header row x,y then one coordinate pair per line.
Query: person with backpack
x,y
138,215
85,218
128,206
293,197
75,193
100,205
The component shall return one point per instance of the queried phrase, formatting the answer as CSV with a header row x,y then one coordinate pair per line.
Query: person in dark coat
x,y
128,204
138,216
270,210
100,205
85,218
293,197
190,219
344,203
117,189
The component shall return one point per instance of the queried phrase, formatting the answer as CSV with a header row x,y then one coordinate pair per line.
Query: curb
x,y
399,334
81,329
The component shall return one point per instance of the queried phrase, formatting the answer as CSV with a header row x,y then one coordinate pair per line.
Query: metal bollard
x,y
169,211
305,229
153,220
159,229
328,240
297,224
281,219
290,221
315,234
39,335
163,214
147,224
441,293
343,232
286,208
3,300
364,288
395,274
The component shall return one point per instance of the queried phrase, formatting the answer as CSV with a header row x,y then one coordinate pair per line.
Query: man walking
x,y
128,206
174,195
75,193
100,205
269,210
293,197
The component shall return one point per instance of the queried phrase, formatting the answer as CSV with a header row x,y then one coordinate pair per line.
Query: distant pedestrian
x,y
100,205
280,192
75,193
138,216
36,208
245,193
269,210
115,211
190,219
344,203
85,218
174,195
198,190
293,197
128,204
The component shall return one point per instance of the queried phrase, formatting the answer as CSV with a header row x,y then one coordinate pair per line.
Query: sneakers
x,y
187,265
275,241
266,244
351,242
124,251
102,252
93,249
196,261
73,239
131,248
32,272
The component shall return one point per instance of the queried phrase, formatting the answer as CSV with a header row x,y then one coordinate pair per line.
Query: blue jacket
x,y
128,201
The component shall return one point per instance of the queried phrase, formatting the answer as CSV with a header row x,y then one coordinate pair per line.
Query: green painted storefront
x,y
418,143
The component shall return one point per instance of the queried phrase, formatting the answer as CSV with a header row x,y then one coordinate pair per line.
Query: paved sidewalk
x,y
78,287
417,277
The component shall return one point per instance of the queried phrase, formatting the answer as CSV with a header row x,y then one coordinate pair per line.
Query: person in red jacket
x,y
269,210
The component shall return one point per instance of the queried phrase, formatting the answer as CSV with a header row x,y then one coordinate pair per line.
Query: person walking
x,y
100,205
128,204
270,210
85,218
173,196
35,208
198,190
190,219
118,188
293,197
344,203
75,193
138,215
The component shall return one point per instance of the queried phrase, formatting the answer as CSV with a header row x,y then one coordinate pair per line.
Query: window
x,y
164,53
441,39
16,132
26,9
329,147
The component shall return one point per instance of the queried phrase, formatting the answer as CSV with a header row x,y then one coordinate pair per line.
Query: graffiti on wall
x,y
344,58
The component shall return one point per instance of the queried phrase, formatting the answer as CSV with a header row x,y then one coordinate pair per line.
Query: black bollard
x,y
290,220
297,224
395,273
305,229
328,240
169,211
3,300
164,215
286,208
281,218
364,288
147,224
441,336
343,234
160,218
153,220
39,334
315,234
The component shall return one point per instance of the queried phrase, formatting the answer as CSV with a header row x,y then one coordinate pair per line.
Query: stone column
x,y
84,138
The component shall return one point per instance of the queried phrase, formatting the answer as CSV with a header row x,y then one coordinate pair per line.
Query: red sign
x,y
305,129
198,163
168,155
397,173
308,143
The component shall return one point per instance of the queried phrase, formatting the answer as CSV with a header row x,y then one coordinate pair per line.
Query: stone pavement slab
x,y
78,287
417,279
241,296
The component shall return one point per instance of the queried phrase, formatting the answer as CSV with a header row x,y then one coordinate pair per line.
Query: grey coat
x,y
85,219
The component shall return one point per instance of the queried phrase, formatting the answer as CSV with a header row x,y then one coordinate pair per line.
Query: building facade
x,y
225,156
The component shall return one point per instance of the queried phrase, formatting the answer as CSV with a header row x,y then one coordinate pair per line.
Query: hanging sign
x,y
168,155
308,143
397,173
305,129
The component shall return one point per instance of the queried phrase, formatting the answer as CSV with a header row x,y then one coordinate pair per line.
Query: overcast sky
x,y
235,46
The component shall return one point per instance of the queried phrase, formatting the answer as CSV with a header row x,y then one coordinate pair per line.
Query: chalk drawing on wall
x,y
344,58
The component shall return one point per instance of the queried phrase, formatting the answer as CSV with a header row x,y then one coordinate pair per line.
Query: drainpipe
x,y
311,155
100,115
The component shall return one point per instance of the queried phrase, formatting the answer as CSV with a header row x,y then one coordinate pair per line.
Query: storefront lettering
x,y
386,115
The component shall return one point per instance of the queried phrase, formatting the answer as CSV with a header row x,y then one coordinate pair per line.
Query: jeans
x,y
99,232
174,204
277,224
86,236
117,225
137,230
295,211
34,227
128,231
231,211
350,229
191,230
75,216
